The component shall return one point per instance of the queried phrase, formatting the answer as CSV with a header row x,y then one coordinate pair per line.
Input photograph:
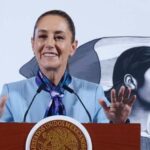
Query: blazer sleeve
x,y
100,116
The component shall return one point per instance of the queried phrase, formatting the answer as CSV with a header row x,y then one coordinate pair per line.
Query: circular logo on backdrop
x,y
58,133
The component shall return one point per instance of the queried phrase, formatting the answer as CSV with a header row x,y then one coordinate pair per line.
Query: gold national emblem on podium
x,y
58,133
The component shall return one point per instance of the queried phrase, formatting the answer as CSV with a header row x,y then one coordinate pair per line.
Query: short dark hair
x,y
61,14
134,61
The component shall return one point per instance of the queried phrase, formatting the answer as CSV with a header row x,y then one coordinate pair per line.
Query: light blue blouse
x,y
21,93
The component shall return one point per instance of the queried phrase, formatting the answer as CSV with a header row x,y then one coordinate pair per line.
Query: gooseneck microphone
x,y
41,87
73,92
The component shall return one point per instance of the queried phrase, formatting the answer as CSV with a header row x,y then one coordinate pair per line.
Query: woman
x,y
53,43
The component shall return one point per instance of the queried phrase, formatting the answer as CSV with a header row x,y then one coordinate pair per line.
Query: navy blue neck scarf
x,y
55,107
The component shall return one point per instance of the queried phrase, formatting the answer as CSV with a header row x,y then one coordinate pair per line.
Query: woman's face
x,y
52,44
144,91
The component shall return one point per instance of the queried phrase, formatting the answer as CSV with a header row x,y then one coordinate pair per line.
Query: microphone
x,y
41,87
73,92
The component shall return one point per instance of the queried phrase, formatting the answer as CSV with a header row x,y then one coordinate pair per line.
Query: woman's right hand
x,y
3,100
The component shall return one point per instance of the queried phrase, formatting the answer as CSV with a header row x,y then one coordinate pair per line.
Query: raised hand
x,y
120,106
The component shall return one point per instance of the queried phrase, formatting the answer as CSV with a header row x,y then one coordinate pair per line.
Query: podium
x,y
104,136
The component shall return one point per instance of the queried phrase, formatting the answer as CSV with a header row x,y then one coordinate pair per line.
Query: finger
x,y
104,105
132,100
127,95
121,94
113,95
2,104
3,101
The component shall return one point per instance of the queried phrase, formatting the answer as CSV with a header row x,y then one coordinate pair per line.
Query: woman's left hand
x,y
120,106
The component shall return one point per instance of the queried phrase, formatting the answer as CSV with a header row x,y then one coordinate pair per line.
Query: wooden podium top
x,y
104,136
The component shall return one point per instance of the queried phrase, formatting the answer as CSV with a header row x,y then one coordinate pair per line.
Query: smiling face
x,y
52,43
